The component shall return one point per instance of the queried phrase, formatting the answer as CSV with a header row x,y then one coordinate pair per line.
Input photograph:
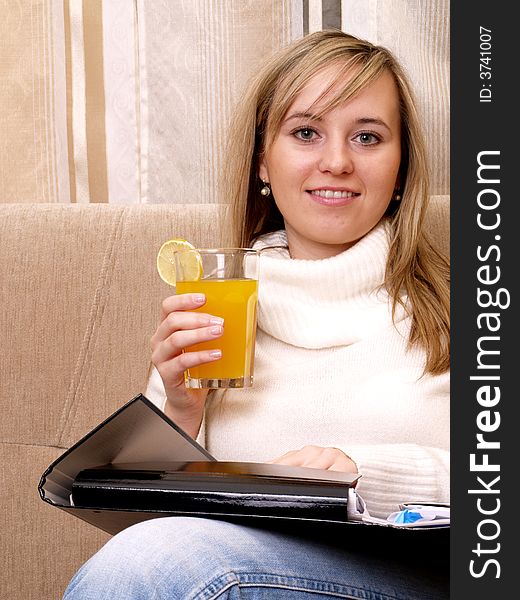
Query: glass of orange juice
x,y
229,279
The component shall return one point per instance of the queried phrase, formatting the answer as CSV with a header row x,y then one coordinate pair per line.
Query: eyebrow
x,y
361,121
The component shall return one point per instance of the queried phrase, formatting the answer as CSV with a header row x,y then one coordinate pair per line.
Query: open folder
x,y
138,464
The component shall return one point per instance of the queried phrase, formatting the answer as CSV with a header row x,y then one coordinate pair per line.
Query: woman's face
x,y
333,177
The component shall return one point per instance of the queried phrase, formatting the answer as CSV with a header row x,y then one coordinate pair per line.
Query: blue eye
x,y
367,139
306,134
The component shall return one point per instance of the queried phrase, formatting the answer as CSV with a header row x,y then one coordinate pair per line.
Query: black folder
x,y
217,488
138,464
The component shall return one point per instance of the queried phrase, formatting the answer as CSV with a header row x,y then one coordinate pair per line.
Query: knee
x,y
121,568
175,553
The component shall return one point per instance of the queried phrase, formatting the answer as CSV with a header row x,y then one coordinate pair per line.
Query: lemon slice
x,y
192,263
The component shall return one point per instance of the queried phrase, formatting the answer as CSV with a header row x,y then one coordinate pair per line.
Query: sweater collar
x,y
324,303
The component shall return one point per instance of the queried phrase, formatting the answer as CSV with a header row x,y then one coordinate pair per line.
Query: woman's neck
x,y
302,248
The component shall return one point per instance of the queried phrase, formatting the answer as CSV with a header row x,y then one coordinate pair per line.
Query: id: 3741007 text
x,y
486,74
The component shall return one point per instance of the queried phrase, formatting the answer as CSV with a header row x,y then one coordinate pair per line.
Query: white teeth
x,y
333,194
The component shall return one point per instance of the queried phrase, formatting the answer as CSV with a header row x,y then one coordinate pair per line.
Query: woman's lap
x,y
203,559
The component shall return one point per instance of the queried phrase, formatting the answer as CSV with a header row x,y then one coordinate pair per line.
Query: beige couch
x,y
80,300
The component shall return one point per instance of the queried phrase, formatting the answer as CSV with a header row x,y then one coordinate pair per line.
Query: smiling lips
x,y
330,197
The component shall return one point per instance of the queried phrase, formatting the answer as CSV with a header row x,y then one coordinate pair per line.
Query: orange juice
x,y
234,300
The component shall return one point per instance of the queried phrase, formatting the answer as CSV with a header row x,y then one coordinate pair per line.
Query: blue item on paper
x,y
421,515
407,516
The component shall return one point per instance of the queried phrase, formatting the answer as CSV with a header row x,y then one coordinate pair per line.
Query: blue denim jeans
x,y
185,558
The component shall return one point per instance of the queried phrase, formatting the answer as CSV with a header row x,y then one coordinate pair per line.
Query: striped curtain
x,y
127,101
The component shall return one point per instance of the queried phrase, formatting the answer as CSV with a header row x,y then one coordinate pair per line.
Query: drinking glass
x,y
229,279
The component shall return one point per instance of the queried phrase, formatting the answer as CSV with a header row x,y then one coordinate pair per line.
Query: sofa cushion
x,y
81,300
438,223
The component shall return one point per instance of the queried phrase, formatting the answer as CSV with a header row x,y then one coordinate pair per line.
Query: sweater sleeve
x,y
155,390
395,473
155,393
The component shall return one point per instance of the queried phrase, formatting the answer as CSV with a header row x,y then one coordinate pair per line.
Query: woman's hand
x,y
178,329
317,457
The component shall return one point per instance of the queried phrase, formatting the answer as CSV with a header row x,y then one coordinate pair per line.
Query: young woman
x,y
326,160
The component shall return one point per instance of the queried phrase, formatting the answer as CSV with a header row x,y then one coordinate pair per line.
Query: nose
x,y
336,158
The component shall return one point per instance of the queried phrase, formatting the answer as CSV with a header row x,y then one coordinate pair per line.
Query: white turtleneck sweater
x,y
331,369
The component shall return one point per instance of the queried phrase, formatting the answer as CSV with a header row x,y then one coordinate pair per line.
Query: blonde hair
x,y
414,266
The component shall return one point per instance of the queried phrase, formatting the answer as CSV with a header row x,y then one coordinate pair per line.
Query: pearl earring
x,y
266,190
396,196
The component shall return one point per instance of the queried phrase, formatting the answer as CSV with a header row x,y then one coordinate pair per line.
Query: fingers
x,y
172,371
317,457
292,459
181,302
308,456
174,344
180,328
183,321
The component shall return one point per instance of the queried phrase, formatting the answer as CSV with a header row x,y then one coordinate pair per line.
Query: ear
x,y
262,171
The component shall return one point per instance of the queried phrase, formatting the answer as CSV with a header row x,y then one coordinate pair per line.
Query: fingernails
x,y
216,321
214,354
217,330
199,298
